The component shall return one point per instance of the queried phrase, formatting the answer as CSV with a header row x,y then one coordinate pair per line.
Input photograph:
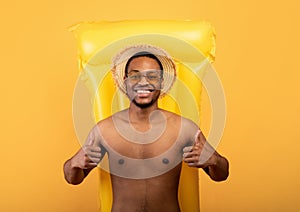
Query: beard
x,y
146,105
142,106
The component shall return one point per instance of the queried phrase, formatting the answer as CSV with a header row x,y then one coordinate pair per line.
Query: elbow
x,y
71,177
220,174
220,178
72,181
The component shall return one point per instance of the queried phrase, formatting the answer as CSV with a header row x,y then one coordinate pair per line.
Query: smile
x,y
143,91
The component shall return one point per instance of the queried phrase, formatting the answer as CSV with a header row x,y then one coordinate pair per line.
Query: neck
x,y
139,114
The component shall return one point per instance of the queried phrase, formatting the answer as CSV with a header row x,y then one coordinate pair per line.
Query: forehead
x,y
143,63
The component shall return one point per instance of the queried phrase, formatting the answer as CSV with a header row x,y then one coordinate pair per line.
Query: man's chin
x,y
143,105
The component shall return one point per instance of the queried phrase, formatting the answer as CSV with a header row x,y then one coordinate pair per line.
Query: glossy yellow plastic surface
x,y
179,38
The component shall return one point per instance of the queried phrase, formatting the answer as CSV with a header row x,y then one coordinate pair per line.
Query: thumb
x,y
90,140
197,138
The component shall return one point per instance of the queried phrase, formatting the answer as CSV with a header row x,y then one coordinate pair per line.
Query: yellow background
x,y
257,61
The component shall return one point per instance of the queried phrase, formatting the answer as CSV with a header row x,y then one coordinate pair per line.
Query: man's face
x,y
143,82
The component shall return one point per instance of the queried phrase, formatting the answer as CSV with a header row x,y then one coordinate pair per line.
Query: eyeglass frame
x,y
145,74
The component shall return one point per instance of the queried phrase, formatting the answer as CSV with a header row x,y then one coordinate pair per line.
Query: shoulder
x,y
186,127
109,121
170,115
188,123
185,122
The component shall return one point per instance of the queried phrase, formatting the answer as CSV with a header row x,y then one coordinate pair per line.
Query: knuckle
x,y
86,160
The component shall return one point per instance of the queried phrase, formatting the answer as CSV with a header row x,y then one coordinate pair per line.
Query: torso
x,y
145,163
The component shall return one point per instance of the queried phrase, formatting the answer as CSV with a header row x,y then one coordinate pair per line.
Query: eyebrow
x,y
153,70
134,70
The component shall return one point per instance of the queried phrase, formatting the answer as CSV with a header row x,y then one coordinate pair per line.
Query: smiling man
x,y
145,144
143,78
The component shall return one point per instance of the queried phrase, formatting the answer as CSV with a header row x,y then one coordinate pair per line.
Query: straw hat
x,y
119,63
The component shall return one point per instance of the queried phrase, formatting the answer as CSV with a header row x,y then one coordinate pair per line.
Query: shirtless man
x,y
145,145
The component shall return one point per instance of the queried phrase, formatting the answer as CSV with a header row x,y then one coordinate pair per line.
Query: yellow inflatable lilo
x,y
191,45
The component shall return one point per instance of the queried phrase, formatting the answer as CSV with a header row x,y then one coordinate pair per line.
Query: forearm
x,y
219,170
73,175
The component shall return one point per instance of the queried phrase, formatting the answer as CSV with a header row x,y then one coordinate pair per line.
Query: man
x,y
145,144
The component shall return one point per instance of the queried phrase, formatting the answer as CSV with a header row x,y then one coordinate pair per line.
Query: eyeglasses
x,y
152,76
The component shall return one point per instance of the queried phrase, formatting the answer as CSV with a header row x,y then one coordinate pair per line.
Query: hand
x,y
201,154
88,156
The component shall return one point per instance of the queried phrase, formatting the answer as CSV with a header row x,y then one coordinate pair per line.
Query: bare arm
x,y
218,171
87,158
203,155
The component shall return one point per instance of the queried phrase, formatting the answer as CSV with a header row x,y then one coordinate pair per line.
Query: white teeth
x,y
143,91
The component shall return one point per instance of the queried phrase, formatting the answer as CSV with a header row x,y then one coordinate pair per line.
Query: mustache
x,y
145,87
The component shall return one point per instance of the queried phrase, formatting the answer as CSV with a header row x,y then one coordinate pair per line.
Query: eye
x,y
134,75
152,77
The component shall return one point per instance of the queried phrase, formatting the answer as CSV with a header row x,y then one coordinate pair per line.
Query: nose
x,y
143,80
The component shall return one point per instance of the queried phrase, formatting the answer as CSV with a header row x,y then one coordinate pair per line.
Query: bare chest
x,y
142,155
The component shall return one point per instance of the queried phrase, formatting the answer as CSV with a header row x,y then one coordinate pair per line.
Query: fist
x,y
89,155
201,154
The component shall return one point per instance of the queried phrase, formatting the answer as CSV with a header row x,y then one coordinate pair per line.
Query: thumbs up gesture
x,y
201,154
90,154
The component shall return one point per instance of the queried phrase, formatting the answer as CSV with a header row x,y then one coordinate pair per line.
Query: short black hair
x,y
143,54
